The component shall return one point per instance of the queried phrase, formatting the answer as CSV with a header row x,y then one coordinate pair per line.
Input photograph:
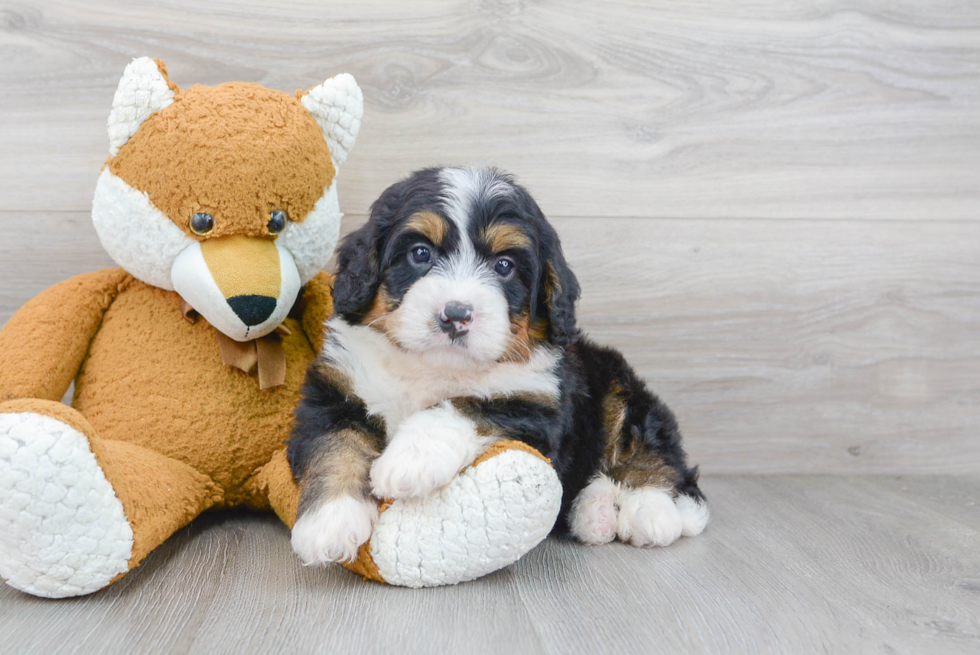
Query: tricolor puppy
x,y
454,327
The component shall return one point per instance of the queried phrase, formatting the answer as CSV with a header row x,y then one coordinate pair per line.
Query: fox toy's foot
x,y
76,511
63,531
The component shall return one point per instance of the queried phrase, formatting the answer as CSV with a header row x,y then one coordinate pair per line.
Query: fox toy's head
x,y
225,194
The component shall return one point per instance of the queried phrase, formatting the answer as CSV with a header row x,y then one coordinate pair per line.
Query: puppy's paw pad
x,y
648,517
594,516
334,531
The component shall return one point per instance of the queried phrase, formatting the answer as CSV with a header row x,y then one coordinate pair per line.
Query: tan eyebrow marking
x,y
428,224
504,236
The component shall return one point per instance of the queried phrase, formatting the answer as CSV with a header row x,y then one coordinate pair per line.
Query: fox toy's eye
x,y
504,267
202,223
277,222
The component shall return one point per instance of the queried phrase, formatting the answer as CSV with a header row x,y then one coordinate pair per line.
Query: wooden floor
x,y
773,207
790,564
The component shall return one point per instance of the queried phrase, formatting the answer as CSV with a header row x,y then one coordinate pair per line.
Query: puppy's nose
x,y
455,318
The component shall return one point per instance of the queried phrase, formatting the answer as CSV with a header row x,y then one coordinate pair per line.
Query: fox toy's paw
x,y
486,518
62,528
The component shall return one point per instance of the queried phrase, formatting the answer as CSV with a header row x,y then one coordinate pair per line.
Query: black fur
x,y
325,409
367,251
571,430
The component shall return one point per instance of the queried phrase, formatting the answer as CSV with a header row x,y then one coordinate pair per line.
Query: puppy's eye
x,y
202,223
277,222
421,255
504,267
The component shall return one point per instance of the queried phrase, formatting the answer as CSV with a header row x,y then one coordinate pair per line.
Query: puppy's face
x,y
459,265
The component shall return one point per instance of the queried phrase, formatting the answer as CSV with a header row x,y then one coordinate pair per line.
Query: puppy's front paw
x,y
428,450
414,470
334,531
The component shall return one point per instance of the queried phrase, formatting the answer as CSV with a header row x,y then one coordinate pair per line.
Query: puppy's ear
x,y
561,291
358,272
558,288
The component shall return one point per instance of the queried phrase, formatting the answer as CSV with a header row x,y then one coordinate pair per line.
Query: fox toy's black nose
x,y
253,310
455,318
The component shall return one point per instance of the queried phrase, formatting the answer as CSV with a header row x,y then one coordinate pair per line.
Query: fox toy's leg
x,y
274,482
77,512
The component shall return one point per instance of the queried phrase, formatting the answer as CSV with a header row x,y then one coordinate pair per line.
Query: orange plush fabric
x,y
272,157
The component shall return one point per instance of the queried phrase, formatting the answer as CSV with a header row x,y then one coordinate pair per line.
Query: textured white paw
x,y
426,453
63,531
648,517
334,531
594,515
694,515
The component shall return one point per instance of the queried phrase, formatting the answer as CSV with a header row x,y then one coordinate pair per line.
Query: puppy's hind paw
x,y
648,517
334,531
594,512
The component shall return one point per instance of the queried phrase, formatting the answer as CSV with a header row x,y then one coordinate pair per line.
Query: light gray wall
x,y
772,206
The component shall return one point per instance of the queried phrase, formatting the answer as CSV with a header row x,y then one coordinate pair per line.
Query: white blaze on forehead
x,y
464,187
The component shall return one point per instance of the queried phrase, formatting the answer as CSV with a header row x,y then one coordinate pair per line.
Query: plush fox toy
x,y
220,206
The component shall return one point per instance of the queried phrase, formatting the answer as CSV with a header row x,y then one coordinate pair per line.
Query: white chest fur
x,y
395,384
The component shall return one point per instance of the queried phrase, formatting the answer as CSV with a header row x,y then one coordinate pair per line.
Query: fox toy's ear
x,y
143,89
337,105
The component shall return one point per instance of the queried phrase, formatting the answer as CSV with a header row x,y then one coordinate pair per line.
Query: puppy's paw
x,y
426,453
413,470
648,517
334,531
694,515
594,516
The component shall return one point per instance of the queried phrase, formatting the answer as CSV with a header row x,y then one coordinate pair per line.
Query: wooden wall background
x,y
772,205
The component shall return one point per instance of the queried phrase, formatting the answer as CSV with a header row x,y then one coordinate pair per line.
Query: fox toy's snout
x,y
254,293
243,286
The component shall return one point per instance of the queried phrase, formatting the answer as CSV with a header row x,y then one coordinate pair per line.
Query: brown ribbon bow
x,y
263,357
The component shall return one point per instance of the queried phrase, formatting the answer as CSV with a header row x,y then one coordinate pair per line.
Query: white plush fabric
x,y
62,528
337,105
485,519
311,242
141,91
137,235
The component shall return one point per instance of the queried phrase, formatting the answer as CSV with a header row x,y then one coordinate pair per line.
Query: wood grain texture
x,y
803,346
772,206
755,109
788,565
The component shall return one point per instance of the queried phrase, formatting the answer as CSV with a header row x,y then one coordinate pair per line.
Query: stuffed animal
x,y
220,206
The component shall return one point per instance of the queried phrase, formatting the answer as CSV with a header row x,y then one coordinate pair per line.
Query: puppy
x,y
454,326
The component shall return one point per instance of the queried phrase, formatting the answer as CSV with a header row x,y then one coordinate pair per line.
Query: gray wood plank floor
x,y
789,565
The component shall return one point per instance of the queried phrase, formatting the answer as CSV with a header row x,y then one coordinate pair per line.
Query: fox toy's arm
x,y
317,303
42,346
